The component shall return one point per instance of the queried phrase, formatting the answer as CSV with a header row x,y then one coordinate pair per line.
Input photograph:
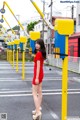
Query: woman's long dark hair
x,y
42,47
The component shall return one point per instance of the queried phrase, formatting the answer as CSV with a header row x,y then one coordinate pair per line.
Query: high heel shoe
x,y
34,111
37,116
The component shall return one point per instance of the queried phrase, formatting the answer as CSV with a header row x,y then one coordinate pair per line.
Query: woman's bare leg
x,y
40,94
36,98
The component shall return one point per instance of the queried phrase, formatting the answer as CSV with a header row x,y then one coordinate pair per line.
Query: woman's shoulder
x,y
39,53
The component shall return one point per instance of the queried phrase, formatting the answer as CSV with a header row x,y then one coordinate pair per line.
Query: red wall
x,y
73,47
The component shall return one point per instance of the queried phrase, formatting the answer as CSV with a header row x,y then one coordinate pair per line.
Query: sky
x,y
26,10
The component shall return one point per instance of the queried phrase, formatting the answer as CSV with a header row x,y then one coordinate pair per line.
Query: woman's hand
x,y
37,81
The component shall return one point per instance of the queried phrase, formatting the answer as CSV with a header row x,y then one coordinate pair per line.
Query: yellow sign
x,y
23,39
34,35
16,41
64,26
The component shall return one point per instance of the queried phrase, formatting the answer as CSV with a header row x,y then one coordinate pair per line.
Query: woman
x,y
38,77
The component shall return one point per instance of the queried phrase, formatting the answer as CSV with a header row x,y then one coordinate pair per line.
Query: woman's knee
x,y
40,90
34,90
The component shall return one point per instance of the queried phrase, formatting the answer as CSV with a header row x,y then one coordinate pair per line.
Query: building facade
x,y
78,18
74,45
39,27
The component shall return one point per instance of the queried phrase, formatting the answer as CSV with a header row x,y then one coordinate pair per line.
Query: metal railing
x,y
73,65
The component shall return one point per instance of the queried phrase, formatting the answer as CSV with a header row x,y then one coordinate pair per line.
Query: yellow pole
x,y
5,3
23,64
42,15
7,54
13,57
17,59
37,8
8,24
10,56
65,82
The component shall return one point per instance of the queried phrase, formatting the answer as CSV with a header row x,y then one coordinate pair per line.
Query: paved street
x,y
16,96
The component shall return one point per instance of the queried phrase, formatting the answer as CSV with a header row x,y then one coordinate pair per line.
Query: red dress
x,y
41,74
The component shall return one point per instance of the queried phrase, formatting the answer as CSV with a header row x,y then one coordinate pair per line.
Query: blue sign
x,y
60,43
32,45
15,47
8,47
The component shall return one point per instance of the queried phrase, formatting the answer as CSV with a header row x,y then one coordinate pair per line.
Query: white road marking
x,y
13,72
9,78
54,115
44,94
57,90
30,79
4,89
8,72
20,63
76,79
52,90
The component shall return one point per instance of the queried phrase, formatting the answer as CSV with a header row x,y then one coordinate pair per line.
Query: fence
x,y
3,56
73,65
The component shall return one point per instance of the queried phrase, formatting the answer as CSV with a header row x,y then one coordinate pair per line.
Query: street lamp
x,y
1,20
0,26
2,10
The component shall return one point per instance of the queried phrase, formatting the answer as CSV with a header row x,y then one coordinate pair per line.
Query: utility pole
x,y
51,23
72,11
18,25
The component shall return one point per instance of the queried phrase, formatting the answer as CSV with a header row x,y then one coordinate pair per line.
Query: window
x,y
72,50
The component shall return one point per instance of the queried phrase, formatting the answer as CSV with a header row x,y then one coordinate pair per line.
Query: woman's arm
x,y
37,72
38,59
38,69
